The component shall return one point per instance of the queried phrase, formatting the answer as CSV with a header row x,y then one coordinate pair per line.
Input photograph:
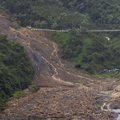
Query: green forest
x,y
43,14
64,14
103,13
91,52
16,69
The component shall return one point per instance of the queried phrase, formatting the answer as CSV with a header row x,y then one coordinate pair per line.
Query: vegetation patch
x,y
34,88
64,14
92,52
19,93
44,14
16,70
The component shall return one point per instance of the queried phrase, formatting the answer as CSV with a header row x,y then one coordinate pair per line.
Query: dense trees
x,y
91,52
44,14
16,71
105,13
59,14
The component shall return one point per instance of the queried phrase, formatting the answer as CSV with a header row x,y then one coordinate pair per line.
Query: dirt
x,y
65,93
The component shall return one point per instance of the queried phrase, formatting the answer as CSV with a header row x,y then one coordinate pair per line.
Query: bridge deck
x,y
103,31
53,30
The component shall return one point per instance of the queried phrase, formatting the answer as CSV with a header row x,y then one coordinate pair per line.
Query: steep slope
x,y
65,93
16,70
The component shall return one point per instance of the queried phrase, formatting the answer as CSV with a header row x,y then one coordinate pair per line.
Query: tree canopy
x,y
16,70
44,14
92,52
59,14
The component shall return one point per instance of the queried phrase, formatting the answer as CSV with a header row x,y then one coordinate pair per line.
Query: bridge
x,y
117,30
47,30
67,30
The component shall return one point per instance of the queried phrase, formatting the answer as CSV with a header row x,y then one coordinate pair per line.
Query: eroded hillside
x,y
65,93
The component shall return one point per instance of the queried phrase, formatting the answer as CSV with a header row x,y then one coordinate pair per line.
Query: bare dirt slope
x,y
64,93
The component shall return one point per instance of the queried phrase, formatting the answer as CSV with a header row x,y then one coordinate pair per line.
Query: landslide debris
x,y
64,93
